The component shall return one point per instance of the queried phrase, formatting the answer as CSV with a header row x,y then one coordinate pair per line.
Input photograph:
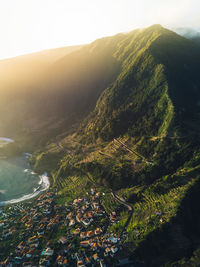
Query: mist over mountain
x,y
189,33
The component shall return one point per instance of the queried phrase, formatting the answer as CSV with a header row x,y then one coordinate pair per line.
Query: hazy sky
x,y
32,25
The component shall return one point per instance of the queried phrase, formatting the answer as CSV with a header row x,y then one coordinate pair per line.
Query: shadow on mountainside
x,y
181,60
177,239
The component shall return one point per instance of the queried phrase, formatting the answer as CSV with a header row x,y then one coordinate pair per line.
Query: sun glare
x,y
31,25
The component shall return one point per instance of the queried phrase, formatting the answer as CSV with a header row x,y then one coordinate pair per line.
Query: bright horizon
x,y
28,26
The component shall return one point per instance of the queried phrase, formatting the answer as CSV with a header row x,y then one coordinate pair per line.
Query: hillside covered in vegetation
x,y
125,113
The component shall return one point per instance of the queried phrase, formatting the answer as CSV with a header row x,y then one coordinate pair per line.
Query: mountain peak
x,y
155,27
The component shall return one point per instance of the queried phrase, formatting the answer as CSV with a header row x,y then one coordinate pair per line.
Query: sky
x,y
32,25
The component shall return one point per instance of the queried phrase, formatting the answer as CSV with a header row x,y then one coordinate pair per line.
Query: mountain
x,y
154,100
141,139
45,95
151,89
122,113
18,77
24,70
153,108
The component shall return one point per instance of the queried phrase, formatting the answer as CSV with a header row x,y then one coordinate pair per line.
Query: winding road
x,y
130,209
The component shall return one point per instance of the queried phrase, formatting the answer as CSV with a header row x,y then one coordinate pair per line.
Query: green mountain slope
x,y
123,113
142,140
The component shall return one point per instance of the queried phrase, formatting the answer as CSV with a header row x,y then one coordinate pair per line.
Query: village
x,y
43,233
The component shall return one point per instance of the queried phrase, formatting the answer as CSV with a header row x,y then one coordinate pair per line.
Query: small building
x,y
63,240
95,257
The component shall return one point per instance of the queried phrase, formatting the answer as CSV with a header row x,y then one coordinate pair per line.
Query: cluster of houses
x,y
42,233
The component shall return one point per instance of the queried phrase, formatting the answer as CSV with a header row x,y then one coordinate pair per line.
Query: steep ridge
x,y
158,85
